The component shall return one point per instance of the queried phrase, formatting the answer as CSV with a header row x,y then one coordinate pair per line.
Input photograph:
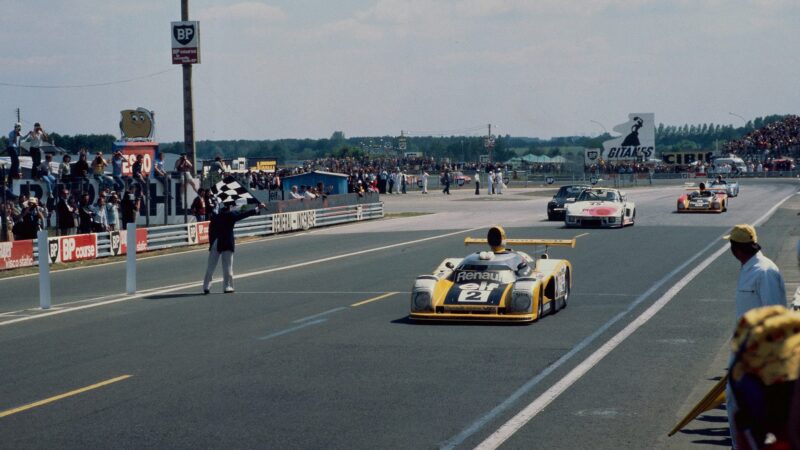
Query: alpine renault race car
x,y
702,200
502,285
600,207
555,207
731,187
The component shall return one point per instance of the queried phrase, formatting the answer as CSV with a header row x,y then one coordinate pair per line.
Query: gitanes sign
x,y
636,143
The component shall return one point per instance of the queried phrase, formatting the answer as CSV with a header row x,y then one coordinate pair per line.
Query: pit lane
x,y
365,377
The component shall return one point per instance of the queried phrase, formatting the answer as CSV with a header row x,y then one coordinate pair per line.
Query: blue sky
x,y
277,69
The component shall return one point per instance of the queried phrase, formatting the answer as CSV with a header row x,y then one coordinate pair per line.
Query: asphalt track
x,y
295,359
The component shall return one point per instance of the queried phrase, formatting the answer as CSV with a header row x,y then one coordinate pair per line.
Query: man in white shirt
x,y
425,182
760,284
294,193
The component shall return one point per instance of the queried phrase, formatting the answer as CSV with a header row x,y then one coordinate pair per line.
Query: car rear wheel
x,y
567,288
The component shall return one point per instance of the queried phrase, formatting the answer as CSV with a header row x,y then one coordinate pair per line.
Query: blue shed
x,y
337,180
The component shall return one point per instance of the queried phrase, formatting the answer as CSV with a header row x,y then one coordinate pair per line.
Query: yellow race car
x,y
497,285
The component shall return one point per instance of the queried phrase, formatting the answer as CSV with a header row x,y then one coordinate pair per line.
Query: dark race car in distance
x,y
555,207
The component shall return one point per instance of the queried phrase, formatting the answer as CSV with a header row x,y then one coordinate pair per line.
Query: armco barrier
x,y
170,236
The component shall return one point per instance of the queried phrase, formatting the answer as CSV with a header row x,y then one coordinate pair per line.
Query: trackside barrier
x,y
171,236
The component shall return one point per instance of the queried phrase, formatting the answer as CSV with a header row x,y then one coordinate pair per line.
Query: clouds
x,y
244,11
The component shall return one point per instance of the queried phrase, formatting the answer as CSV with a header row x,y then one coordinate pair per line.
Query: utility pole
x,y
490,144
188,108
19,117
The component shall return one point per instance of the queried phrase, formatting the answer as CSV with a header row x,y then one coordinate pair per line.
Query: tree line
x,y
457,148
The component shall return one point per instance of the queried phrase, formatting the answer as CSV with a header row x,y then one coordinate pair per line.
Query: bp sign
x,y
186,42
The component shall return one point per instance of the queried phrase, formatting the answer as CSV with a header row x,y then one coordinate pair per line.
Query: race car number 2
x,y
476,293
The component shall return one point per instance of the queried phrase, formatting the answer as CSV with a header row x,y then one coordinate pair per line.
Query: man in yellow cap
x,y
760,284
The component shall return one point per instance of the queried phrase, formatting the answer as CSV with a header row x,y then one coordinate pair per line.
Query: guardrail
x,y
192,233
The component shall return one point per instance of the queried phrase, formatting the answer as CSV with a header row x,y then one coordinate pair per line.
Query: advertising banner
x,y
197,232
300,220
686,157
16,254
72,248
119,241
637,141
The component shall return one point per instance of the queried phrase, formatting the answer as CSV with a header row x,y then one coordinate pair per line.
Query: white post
x,y
130,284
44,270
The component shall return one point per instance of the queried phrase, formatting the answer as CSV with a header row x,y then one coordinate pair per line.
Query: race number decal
x,y
474,296
476,292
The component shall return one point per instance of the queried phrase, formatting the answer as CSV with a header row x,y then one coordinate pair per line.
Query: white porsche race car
x,y
600,207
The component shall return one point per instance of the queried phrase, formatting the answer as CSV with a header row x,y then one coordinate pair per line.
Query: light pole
x,y
601,125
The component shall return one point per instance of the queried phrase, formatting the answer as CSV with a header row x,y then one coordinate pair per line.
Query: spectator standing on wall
x,y
158,170
65,214
221,242
37,137
13,150
117,161
185,168
139,177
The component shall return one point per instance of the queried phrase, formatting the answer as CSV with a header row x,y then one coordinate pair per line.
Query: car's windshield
x,y
596,195
569,191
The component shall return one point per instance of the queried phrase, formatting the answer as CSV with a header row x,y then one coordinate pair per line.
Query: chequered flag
x,y
230,192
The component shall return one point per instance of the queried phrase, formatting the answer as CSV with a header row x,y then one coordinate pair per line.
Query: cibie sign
x,y
186,42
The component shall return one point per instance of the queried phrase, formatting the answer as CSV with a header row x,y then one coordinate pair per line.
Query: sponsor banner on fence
x,y
299,220
119,241
16,254
197,232
72,248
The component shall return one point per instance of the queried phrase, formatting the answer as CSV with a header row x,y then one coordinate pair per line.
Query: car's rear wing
x,y
546,242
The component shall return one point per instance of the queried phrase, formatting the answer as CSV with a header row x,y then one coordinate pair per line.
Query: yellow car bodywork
x,y
543,288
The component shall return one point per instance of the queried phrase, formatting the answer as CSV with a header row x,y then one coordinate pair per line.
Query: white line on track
x,y
535,407
197,284
291,329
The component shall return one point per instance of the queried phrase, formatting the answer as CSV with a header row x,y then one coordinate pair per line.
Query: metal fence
x,y
171,236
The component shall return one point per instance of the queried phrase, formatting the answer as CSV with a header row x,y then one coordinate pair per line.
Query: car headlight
x,y
421,301
520,302
681,205
612,220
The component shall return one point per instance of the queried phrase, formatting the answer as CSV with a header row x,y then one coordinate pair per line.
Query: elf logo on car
x,y
484,286
477,276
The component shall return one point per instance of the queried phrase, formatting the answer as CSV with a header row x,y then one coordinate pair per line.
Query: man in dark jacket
x,y
65,214
222,242
130,207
